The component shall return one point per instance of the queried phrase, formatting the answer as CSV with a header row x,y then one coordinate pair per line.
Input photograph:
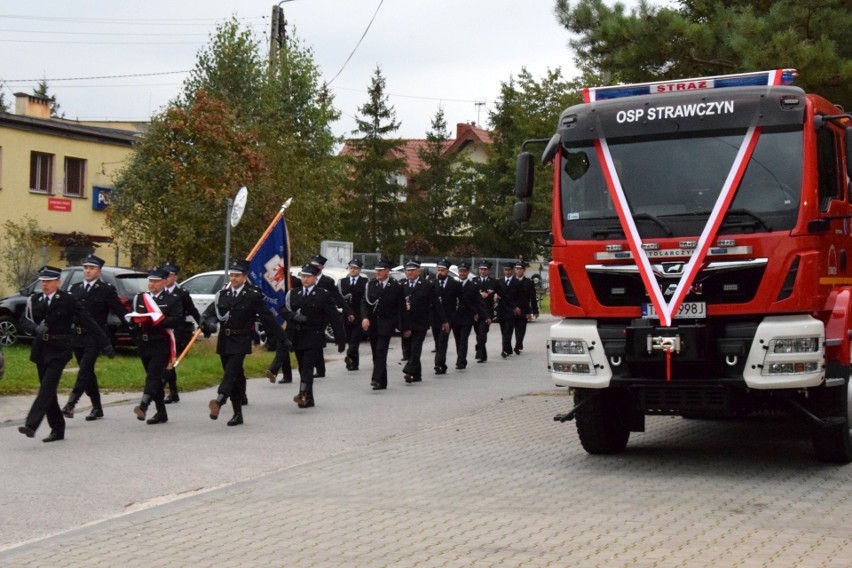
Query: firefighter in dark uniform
x,y
444,312
49,316
155,316
99,298
328,284
352,289
486,284
527,302
234,311
420,300
471,310
507,294
183,334
308,311
383,311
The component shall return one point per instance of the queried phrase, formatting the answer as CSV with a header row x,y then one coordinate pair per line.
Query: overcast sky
x,y
449,52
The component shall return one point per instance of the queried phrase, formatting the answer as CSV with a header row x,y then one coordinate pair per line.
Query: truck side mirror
x,y
522,212
524,175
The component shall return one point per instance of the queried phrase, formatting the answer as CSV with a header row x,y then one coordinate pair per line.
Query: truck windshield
x,y
672,182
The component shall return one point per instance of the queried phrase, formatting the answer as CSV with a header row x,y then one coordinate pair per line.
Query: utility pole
x,y
278,30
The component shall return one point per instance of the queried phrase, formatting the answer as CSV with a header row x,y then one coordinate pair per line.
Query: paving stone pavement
x,y
505,486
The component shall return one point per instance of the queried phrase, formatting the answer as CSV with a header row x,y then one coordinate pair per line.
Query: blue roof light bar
x,y
694,84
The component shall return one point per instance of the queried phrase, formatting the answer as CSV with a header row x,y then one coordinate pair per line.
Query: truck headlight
x,y
573,368
792,368
568,346
794,345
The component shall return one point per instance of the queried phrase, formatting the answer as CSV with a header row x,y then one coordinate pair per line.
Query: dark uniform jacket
x,y
528,301
486,285
185,330
99,301
327,283
446,309
238,314
318,309
419,303
63,313
510,297
471,304
384,307
353,294
150,336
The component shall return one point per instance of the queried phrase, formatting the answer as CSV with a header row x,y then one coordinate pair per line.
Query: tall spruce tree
x,y
711,37
373,196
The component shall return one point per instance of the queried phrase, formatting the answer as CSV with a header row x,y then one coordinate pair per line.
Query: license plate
x,y
687,310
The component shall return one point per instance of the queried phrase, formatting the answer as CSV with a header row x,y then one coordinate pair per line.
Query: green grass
x,y
545,304
201,368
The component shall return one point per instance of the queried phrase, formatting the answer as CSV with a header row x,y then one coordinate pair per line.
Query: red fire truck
x,y
700,244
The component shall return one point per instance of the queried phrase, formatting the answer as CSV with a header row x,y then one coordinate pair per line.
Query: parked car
x,y
127,283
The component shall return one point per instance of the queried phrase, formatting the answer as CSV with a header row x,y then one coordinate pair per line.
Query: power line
x,y
122,34
41,41
98,77
134,22
359,43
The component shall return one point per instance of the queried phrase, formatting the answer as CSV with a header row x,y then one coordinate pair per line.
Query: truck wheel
x,y
8,331
603,422
834,443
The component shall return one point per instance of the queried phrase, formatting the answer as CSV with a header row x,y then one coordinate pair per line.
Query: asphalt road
x,y
119,464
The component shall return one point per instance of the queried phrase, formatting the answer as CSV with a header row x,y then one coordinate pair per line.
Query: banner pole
x,y
250,255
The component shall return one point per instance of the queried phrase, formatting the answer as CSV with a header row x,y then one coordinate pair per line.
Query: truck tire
x,y
833,444
603,420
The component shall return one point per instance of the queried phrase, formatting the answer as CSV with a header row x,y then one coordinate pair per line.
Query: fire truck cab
x,y
701,243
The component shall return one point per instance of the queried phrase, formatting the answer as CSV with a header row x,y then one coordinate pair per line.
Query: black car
x,y
127,283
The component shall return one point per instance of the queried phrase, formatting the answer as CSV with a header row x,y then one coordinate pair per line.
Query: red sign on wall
x,y
57,204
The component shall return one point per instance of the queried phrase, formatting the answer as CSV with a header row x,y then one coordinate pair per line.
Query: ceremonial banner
x,y
270,267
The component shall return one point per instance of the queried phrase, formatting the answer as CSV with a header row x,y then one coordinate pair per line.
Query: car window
x,y
128,285
203,284
70,277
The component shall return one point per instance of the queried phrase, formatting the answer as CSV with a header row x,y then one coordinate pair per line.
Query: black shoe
x,y
460,366
416,379
504,354
271,376
27,431
68,411
378,387
285,380
214,407
244,401
303,400
139,412
236,420
158,418
54,436
171,399
318,376
518,350
440,370
348,361
409,378
95,414
351,368
481,360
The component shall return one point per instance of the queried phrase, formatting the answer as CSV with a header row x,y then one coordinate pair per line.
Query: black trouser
x,y
520,325
308,360
234,380
87,381
155,359
442,341
379,345
46,401
415,348
461,333
354,335
281,361
507,327
482,327
182,338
